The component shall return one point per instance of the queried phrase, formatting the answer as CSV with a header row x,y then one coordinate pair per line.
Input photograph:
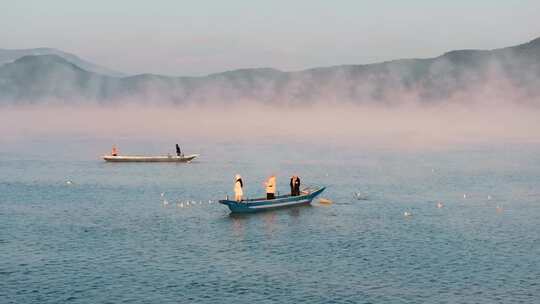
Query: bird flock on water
x,y
182,204
356,195
323,201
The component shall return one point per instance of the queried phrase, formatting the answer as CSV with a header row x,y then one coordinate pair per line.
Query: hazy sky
x,y
199,37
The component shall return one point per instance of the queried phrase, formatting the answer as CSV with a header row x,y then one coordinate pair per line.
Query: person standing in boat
x,y
295,185
238,188
178,152
271,187
114,151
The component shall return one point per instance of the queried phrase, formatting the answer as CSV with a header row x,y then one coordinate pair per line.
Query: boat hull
x,y
150,159
252,206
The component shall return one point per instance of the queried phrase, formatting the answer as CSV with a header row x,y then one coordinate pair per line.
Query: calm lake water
x,y
108,237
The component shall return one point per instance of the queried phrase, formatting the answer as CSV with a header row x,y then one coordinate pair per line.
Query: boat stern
x,y
236,207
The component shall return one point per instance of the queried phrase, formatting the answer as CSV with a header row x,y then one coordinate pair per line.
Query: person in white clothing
x,y
238,188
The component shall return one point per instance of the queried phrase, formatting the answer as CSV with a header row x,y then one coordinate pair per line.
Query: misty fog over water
x,y
406,126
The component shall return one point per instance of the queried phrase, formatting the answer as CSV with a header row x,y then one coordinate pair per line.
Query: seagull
x,y
440,205
359,196
69,182
464,195
165,202
407,213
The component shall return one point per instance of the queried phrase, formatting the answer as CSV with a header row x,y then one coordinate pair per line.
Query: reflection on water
x,y
237,227
269,222
294,212
270,219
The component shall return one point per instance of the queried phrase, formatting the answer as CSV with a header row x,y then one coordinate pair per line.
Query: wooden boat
x,y
150,159
262,204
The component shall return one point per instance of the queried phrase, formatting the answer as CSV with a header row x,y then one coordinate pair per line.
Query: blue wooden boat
x,y
263,204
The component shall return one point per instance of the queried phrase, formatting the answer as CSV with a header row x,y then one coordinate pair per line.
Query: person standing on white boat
x,y
238,188
178,152
114,151
271,187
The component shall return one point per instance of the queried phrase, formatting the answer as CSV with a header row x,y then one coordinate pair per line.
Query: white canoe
x,y
150,159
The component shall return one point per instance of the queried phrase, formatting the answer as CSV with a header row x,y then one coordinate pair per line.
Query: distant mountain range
x,y
31,76
7,56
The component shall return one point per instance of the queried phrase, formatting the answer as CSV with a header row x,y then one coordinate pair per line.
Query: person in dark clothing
x,y
295,185
178,152
291,183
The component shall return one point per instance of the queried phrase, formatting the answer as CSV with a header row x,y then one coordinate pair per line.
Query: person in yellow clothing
x,y
238,188
271,187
